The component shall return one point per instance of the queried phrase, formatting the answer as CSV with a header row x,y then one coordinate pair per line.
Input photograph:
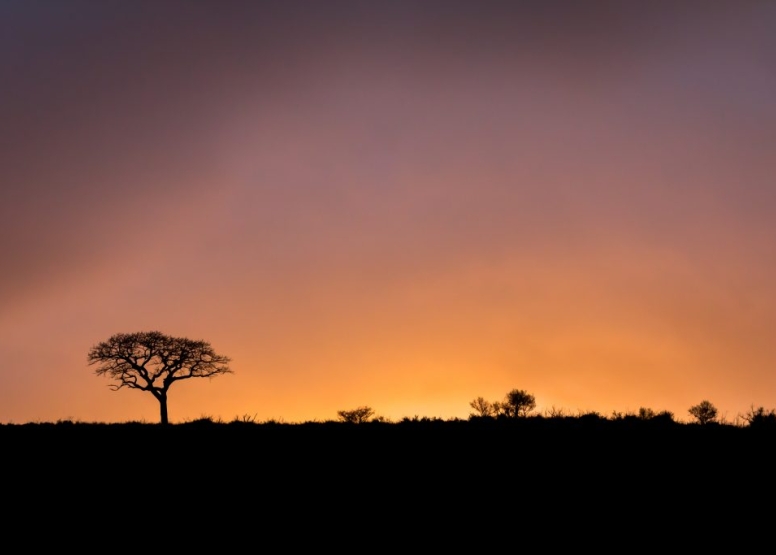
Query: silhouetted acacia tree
x,y
517,403
704,412
356,416
152,361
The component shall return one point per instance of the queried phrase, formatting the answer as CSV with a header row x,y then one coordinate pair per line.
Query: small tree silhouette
x,y
518,403
704,412
482,408
356,416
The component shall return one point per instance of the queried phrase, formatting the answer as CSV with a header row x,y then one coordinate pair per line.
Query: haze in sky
x,y
398,204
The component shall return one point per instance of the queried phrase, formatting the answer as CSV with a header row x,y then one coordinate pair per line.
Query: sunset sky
x,y
404,205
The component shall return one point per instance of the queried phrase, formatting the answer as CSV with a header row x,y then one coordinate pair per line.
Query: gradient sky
x,y
404,205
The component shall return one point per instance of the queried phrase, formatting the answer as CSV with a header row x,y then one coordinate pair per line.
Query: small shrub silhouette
x,y
704,412
482,408
517,403
760,417
664,416
356,416
646,413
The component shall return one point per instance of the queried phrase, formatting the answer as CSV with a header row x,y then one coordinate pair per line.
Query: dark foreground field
x,y
466,451
478,476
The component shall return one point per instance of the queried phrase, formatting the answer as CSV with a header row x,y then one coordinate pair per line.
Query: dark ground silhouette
x,y
424,483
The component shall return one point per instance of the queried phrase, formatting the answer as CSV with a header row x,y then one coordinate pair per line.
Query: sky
x,y
403,204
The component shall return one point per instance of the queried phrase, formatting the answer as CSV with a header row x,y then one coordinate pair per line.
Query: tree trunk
x,y
163,407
